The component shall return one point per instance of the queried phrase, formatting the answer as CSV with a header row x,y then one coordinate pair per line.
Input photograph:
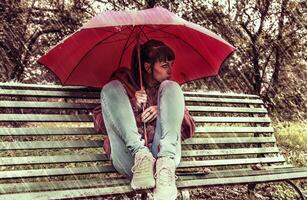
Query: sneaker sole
x,y
156,197
144,185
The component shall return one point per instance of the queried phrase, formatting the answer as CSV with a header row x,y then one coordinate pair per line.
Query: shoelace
x,y
140,165
166,176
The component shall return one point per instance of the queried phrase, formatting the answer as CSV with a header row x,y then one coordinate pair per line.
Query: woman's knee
x,y
111,87
170,85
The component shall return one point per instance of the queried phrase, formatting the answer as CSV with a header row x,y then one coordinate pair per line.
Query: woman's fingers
x,y
149,114
141,97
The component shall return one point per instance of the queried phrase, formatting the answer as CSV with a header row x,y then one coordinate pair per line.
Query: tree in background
x,y
30,28
269,36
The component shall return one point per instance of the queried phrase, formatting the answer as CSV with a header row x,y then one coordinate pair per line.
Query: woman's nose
x,y
169,70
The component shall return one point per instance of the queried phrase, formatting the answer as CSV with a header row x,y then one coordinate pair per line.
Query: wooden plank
x,y
241,179
49,145
230,140
45,118
47,131
225,162
45,105
110,168
61,185
88,118
29,160
223,100
226,109
232,119
213,129
242,171
55,172
219,94
97,191
223,152
12,85
76,193
54,94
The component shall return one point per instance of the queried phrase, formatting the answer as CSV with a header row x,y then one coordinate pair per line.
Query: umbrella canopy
x,y
90,55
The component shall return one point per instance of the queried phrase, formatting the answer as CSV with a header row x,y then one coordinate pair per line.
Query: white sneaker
x,y
143,175
165,179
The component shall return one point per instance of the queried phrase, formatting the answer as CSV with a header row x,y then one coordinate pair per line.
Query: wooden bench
x,y
49,149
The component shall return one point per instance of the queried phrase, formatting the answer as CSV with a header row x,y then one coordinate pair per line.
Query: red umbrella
x,y
90,55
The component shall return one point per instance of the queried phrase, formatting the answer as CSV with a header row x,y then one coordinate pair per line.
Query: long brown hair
x,y
151,52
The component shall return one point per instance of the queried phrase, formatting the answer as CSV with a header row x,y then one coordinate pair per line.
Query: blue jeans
x,y
122,128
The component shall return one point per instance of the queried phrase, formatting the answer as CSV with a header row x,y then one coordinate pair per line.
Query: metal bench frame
x,y
233,134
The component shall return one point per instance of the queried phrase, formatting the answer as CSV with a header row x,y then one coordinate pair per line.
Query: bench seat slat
x,y
223,100
226,109
232,119
57,105
28,160
97,191
230,140
88,118
76,193
61,185
110,168
225,162
45,105
234,129
45,118
50,145
221,152
46,131
99,143
55,172
242,179
219,94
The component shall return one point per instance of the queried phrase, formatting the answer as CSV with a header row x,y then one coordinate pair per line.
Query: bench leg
x,y
297,189
144,196
251,190
185,194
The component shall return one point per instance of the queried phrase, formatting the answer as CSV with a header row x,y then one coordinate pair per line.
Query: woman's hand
x,y
149,114
141,98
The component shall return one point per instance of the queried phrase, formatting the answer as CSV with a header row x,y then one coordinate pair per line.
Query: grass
x,y
291,139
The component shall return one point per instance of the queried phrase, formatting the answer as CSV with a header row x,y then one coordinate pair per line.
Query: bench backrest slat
x,y
47,131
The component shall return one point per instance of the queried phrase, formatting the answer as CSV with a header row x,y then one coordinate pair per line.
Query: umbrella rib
x,y
142,29
121,56
179,38
90,51
155,30
135,38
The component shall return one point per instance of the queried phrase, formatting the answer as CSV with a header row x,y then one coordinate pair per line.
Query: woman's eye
x,y
165,66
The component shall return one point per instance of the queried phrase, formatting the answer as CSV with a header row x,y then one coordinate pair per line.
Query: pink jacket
x,y
123,75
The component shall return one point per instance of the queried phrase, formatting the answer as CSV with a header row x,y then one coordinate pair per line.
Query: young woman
x,y
149,157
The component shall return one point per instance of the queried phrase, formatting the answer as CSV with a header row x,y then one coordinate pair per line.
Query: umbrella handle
x,y
144,125
141,82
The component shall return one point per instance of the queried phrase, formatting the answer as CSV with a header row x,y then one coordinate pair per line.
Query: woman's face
x,y
162,70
